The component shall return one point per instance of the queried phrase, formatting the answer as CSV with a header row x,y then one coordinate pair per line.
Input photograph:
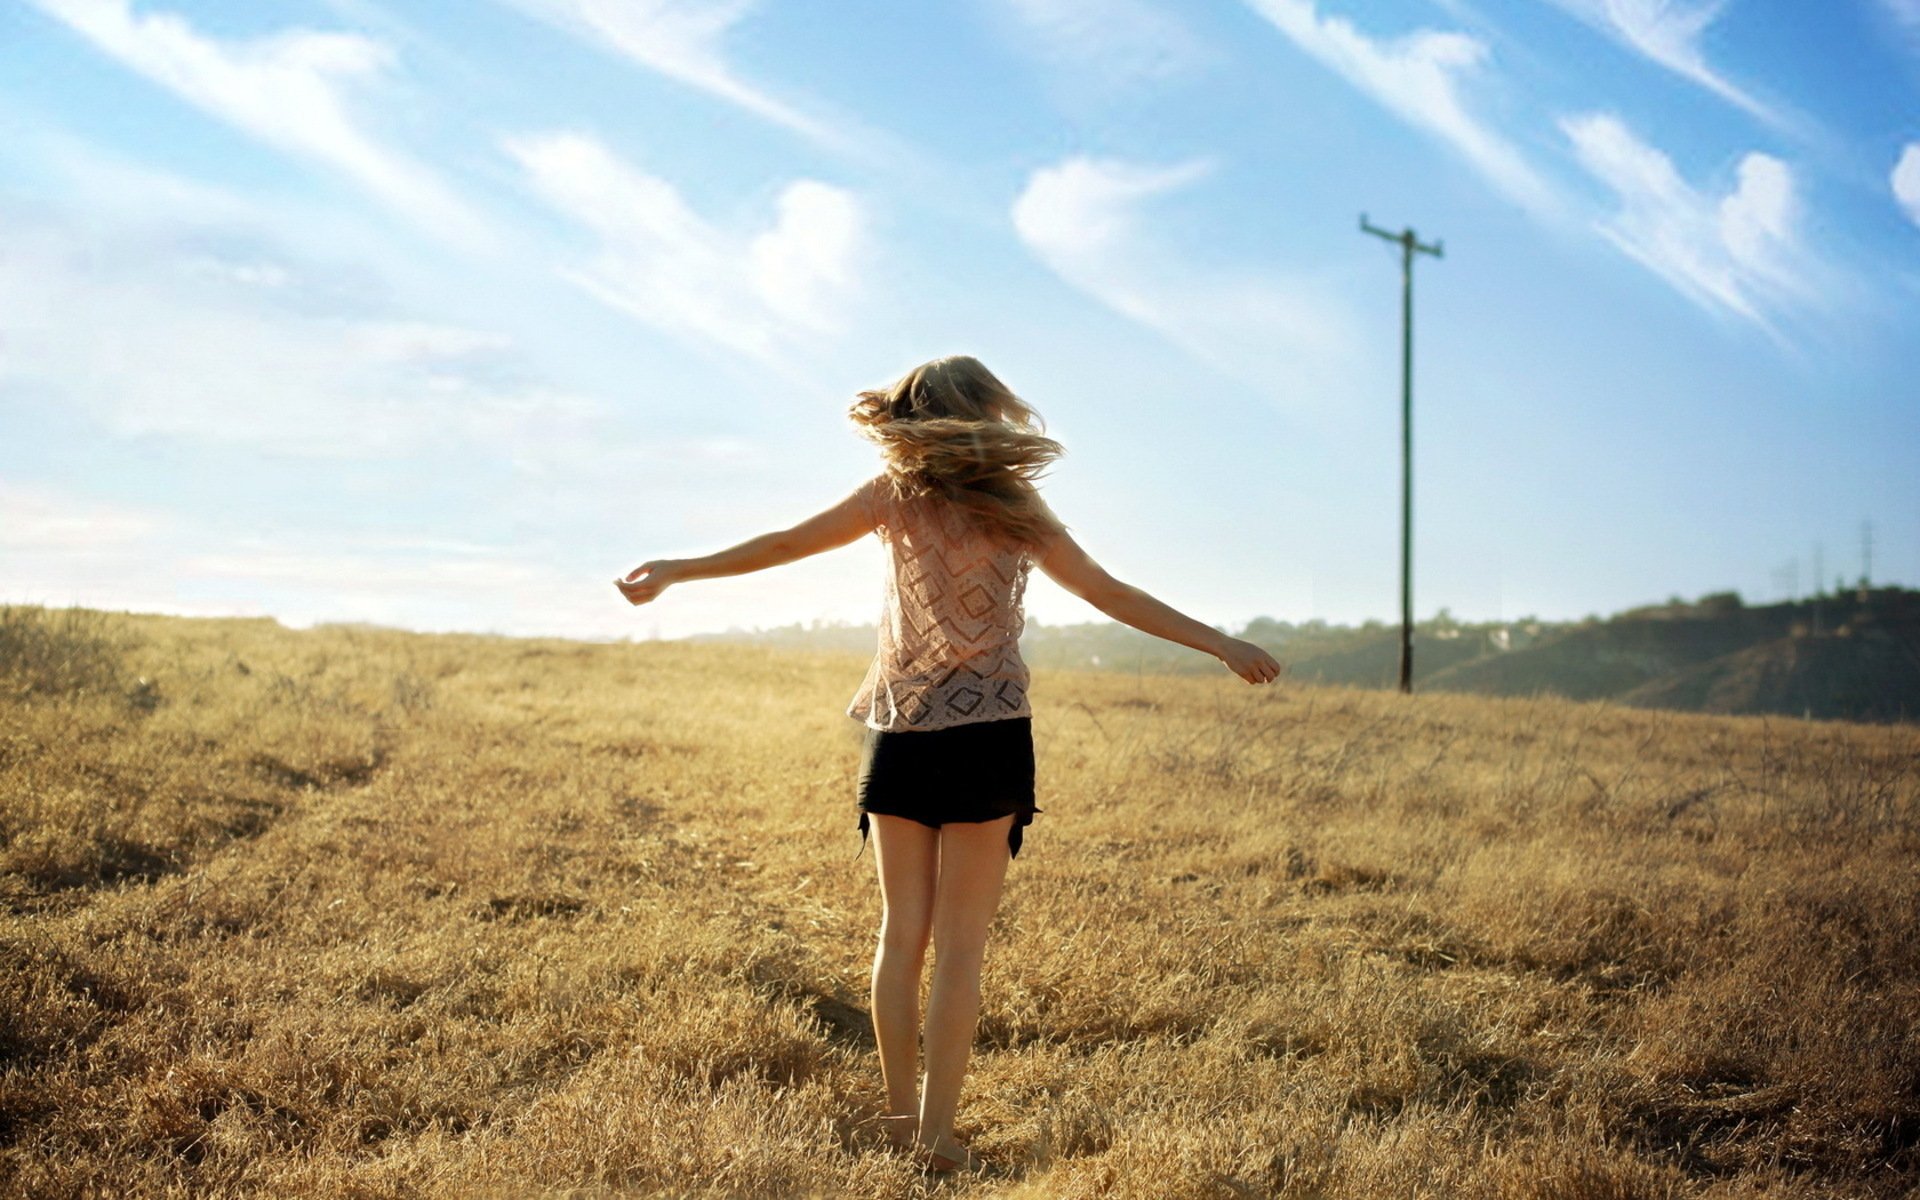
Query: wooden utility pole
x,y
1408,246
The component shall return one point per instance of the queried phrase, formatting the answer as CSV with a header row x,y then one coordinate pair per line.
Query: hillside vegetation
x,y
365,913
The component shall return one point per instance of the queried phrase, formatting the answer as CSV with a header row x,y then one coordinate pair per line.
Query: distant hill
x,y
1863,677
1373,660
1857,658
1604,658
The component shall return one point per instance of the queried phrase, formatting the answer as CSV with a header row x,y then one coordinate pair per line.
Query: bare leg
x,y
906,855
973,866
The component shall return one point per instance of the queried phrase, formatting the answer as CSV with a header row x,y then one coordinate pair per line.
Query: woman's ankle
x,y
900,1129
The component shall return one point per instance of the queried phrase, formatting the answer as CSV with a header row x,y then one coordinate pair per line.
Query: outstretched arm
x,y
845,522
1074,569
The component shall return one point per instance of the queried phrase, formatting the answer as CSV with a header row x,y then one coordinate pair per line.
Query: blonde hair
x,y
950,428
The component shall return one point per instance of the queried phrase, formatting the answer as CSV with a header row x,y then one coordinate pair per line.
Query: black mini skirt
x,y
976,772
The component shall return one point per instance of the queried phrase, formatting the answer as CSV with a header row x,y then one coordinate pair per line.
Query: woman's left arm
x,y
845,522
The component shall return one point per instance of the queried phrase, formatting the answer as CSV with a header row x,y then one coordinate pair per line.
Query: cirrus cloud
x,y
1424,79
683,40
1107,44
1085,219
1668,33
291,89
1738,252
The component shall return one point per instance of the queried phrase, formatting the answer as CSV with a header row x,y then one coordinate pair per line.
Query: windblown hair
x,y
950,428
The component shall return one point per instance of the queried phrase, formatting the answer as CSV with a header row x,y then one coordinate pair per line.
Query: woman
x,y
947,767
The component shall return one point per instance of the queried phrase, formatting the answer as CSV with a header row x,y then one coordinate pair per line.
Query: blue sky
x,y
442,316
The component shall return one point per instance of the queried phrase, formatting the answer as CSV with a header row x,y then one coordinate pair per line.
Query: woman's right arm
x,y
845,522
1074,569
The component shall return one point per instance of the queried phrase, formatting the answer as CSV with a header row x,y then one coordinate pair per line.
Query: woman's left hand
x,y
648,580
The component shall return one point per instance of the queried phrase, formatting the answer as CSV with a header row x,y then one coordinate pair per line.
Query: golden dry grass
x,y
362,913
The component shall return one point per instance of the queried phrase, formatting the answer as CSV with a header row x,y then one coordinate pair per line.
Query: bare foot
x,y
946,1155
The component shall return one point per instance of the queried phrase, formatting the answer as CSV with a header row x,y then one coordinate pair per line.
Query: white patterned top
x,y
950,625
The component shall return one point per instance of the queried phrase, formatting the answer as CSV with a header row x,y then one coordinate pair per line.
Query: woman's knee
x,y
956,970
960,932
904,940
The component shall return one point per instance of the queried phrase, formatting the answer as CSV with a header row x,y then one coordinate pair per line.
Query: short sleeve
x,y
873,497
1041,547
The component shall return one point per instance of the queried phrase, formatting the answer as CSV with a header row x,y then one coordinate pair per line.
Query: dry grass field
x,y
349,912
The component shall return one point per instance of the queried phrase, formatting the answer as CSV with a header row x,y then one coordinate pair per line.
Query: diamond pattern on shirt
x,y
950,622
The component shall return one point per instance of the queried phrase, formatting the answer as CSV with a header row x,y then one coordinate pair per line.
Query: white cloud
x,y
289,89
1420,78
35,517
668,267
409,341
1738,253
1758,213
371,569
1906,181
1668,33
59,546
803,265
90,186
683,40
1107,43
1082,218
155,343
62,547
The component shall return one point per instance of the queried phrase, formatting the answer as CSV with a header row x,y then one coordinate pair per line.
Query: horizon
x,y
358,311
822,625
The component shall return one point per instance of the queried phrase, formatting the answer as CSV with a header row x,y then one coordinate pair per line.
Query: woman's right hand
x,y
1250,662
647,580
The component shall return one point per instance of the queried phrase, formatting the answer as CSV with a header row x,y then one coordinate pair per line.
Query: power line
x,y
1409,245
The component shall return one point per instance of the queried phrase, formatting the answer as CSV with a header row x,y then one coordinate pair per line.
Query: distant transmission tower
x,y
1866,555
1785,580
1819,583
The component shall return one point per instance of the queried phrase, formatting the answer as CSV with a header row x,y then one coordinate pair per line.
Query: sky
x,y
444,316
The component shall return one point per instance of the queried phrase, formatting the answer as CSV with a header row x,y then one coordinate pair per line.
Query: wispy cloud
x,y
1905,181
156,340
375,570
1083,218
1422,78
143,305
290,89
1106,44
683,40
1738,252
664,264
62,545
1668,33
38,518
59,545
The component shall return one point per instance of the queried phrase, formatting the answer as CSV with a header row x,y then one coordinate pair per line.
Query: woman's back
x,y
950,624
